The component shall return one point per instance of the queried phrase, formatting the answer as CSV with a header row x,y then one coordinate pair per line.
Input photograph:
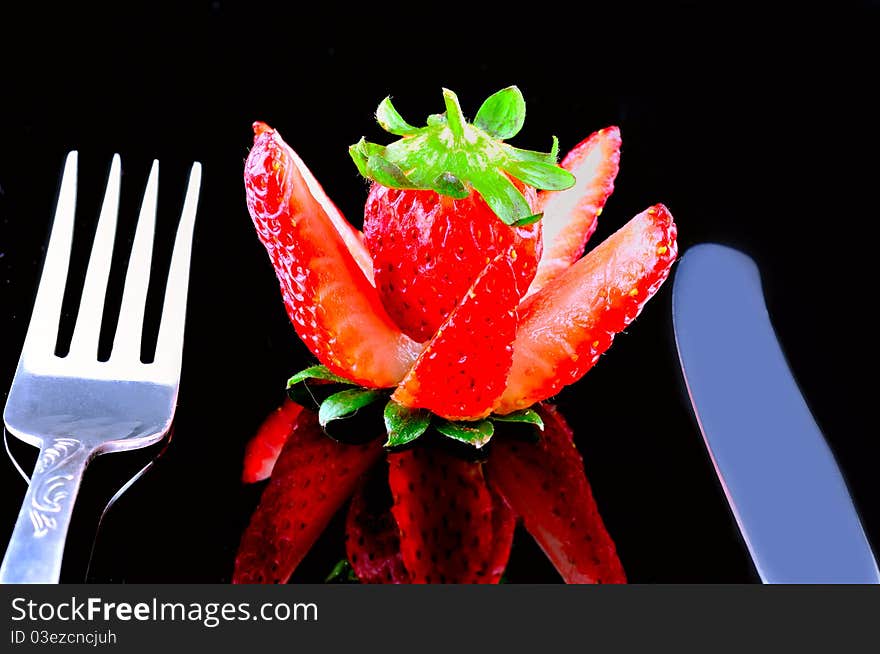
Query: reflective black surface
x,y
754,130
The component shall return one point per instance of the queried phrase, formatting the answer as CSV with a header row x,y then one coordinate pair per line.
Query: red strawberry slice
x,y
353,238
570,216
263,449
545,484
462,371
372,540
428,249
569,323
312,478
333,306
446,517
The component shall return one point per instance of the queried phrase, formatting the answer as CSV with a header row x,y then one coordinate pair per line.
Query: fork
x,y
77,407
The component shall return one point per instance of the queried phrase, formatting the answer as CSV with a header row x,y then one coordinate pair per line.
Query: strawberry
x,y
460,305
570,216
313,477
449,532
333,306
448,198
428,249
372,539
569,323
263,449
503,527
545,484
462,371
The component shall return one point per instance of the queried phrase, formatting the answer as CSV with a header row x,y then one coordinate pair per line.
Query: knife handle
x,y
777,471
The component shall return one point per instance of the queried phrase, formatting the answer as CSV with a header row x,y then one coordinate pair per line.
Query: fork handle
x,y
36,548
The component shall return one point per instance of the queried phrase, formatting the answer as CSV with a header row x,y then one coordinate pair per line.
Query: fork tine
x,y
127,342
42,331
86,333
169,344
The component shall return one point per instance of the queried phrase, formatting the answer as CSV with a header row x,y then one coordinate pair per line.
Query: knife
x,y
780,477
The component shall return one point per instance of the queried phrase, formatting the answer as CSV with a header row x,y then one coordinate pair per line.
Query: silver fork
x,y
76,407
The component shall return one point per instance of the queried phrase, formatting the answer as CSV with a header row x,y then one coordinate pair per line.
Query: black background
x,y
755,129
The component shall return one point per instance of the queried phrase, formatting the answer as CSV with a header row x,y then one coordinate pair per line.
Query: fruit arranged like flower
x,y
465,304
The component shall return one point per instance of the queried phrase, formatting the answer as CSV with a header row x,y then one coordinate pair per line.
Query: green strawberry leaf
x,y
522,222
454,157
366,148
386,173
317,372
502,114
475,433
403,424
361,152
449,184
393,122
342,573
345,403
311,393
359,158
502,196
541,175
529,416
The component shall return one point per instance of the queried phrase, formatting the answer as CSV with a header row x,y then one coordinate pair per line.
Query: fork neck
x,y
36,549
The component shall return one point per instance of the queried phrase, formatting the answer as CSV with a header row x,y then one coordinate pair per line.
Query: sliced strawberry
x,y
263,449
333,306
570,216
428,249
462,371
372,540
312,478
445,514
569,323
545,484
353,238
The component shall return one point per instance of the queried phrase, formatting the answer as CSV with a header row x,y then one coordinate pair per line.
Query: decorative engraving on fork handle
x,y
52,490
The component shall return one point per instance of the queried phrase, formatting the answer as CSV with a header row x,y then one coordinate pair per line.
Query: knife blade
x,y
779,475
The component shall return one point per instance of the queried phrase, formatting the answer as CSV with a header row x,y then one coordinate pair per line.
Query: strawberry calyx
x,y
454,157
404,425
336,398
342,573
